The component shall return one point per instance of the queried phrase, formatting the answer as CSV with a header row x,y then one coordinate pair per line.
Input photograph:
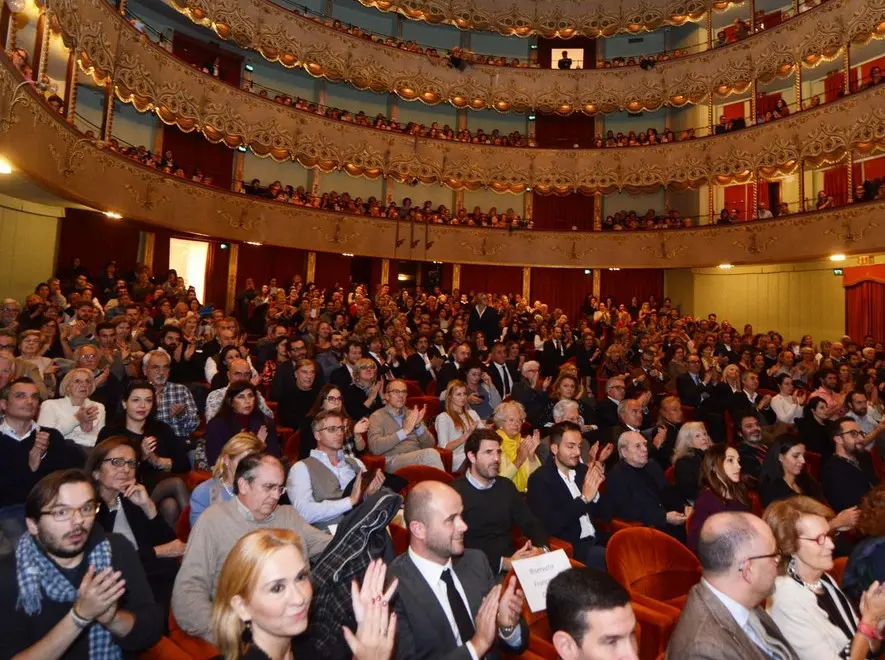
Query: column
x,y
121,5
754,204
70,87
149,239
846,68
797,82
41,47
597,211
233,257
310,275
385,271
753,102
597,282
526,282
801,174
711,203
709,29
107,112
528,204
239,167
456,276
849,163
752,16
710,116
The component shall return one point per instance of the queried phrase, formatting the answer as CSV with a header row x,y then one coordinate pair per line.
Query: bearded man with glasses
x,y
259,483
328,484
849,474
72,591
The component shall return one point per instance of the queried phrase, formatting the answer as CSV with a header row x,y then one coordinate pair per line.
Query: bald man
x,y
447,602
238,371
724,617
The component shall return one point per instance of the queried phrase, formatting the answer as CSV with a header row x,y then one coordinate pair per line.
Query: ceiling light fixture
x,y
256,243
725,266
837,257
113,215
5,167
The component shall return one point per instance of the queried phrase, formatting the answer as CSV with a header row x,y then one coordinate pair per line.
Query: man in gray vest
x,y
326,485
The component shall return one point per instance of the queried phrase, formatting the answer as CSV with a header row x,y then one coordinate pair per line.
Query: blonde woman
x,y
74,415
220,488
456,423
31,349
518,457
263,600
691,443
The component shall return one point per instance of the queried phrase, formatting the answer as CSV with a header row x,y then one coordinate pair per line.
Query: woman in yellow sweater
x,y
518,458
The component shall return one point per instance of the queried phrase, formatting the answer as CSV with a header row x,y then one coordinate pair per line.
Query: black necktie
x,y
505,377
462,616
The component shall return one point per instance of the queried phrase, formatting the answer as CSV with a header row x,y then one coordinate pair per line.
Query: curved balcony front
x,y
524,18
295,40
35,139
153,80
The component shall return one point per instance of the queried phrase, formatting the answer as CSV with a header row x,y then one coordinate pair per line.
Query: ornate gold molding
x,y
103,179
563,19
152,80
294,40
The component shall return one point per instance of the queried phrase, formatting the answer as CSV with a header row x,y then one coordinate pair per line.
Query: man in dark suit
x,y
586,353
484,319
638,491
554,354
531,392
725,348
725,617
564,494
503,372
648,376
450,369
342,377
422,365
693,387
749,400
294,388
439,601
607,410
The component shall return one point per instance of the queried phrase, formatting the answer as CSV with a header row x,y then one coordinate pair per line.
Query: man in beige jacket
x,y
399,434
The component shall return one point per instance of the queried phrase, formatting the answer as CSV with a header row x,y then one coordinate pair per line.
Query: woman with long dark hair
x,y
720,486
240,412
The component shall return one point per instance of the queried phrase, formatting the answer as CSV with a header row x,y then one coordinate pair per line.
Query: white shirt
x,y
587,529
432,574
446,433
59,414
868,422
301,492
739,613
211,368
506,380
6,429
785,408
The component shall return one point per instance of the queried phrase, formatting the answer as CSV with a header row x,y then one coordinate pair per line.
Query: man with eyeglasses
x,y
607,410
174,403
259,482
29,452
326,485
869,420
238,371
399,434
72,590
848,475
724,617
531,392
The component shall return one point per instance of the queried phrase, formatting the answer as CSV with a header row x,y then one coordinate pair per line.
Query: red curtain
x,y
624,284
836,184
217,267
491,279
194,51
735,110
556,132
261,262
762,196
766,103
740,197
833,86
865,310
97,239
768,21
332,269
565,288
871,169
562,212
861,74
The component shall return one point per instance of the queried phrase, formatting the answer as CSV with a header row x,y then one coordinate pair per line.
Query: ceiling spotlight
x,y
5,167
113,215
256,243
614,269
837,257
587,271
725,266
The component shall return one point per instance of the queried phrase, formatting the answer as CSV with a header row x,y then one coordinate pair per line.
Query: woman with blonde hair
x,y
74,415
455,424
807,605
220,488
688,453
263,600
518,457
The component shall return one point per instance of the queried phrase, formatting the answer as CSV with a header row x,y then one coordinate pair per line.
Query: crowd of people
x,y
651,219
221,469
48,89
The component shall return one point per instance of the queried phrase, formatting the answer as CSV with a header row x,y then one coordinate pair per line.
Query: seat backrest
x,y
812,464
183,524
292,447
415,474
652,563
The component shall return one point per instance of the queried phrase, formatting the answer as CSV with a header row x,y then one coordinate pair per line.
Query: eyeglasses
x,y
333,398
820,539
65,513
122,462
397,391
853,433
332,429
774,555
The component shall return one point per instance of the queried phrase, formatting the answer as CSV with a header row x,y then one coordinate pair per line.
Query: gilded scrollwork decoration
x,y
753,245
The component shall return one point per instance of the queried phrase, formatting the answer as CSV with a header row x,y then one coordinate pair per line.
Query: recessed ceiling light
x,y
725,266
5,167
837,257
113,215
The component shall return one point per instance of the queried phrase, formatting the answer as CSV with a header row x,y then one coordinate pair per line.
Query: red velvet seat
x,y
400,537
670,473
165,649
433,406
183,524
812,464
658,572
292,445
415,474
194,647
195,477
373,462
688,413
414,388
838,569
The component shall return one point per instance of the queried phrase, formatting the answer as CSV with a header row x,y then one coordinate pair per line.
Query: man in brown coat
x,y
724,618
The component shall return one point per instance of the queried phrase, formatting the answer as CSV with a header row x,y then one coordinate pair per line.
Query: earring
x,y
246,635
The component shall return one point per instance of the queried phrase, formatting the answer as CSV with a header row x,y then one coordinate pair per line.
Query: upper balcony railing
x,y
153,80
295,40
38,141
